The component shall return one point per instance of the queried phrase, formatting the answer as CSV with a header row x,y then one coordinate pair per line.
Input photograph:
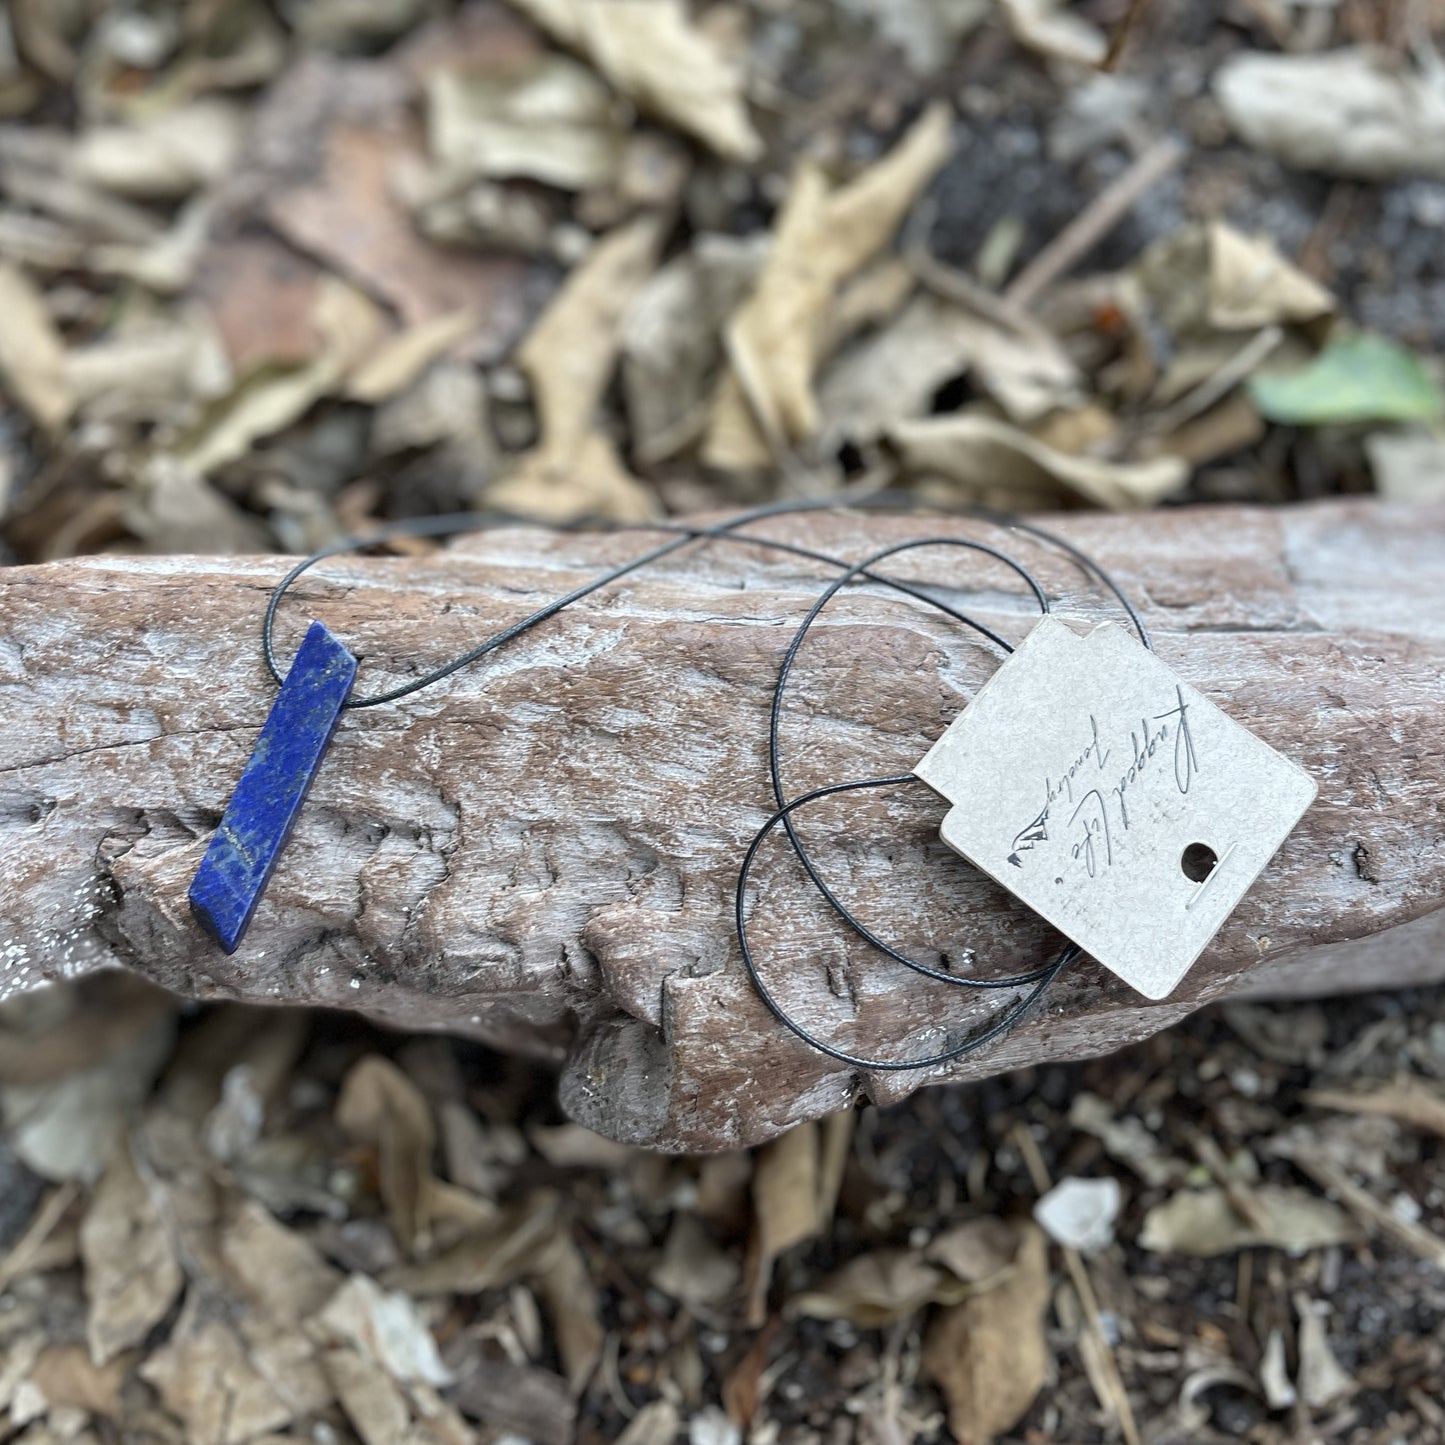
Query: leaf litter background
x,y
269,272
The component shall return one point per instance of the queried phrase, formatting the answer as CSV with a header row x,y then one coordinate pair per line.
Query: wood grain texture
x,y
541,851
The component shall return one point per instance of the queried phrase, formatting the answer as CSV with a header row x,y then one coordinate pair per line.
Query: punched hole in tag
x,y
1198,861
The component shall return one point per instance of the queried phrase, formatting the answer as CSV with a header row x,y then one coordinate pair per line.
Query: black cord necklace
x,y
250,837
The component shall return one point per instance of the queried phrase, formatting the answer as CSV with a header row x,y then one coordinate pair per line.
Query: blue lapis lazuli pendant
x,y
258,819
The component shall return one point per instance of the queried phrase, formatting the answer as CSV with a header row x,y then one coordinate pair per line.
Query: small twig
x,y
950,284
1314,257
1217,387
37,1232
1095,221
1374,1215
1084,1288
1241,1199
1274,19
1120,38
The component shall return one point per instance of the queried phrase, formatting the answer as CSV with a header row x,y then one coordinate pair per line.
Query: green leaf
x,y
1359,378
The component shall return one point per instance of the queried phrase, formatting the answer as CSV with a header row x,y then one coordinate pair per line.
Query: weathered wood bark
x,y
541,851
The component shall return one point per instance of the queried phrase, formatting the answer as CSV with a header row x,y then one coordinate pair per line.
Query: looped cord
x,y
1036,980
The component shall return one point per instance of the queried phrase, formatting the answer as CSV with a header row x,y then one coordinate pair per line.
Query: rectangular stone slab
x,y
258,819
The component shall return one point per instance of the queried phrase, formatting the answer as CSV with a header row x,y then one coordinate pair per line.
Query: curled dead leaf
x,y
551,120
894,375
996,462
206,1377
988,1354
166,156
132,1274
492,1255
672,346
381,1107
570,354
821,237
653,53
873,1290
1216,278
1050,29
1204,1222
32,355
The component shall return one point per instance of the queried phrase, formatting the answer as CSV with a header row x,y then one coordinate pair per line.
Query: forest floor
x,y
273,272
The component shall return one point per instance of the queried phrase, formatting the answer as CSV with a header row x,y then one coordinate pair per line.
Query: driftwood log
x,y
541,851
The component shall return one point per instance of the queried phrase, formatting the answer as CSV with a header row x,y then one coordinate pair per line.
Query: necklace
x,y
1103,857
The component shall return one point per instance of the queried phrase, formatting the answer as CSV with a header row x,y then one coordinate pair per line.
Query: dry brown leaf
x,y
1408,1101
1203,1222
132,1275
994,461
654,1424
570,354
570,357
352,215
66,1029
373,1402
570,1146
786,1179
1050,29
287,1358
551,121
66,1375
693,1269
386,1328
869,299
873,1290
67,1128
32,355
261,294
671,343
518,1400
279,1272
894,375
350,328
723,1186
988,1354
381,1107
446,415
1127,1139
1204,279
175,509
207,1379
591,482
166,156
976,1251
493,1256
399,363
1252,285
652,52
17,1361
1322,1380
161,370
821,238
1232,426
570,1298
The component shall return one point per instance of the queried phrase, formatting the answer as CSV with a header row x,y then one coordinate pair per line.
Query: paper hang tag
x,y
1113,799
